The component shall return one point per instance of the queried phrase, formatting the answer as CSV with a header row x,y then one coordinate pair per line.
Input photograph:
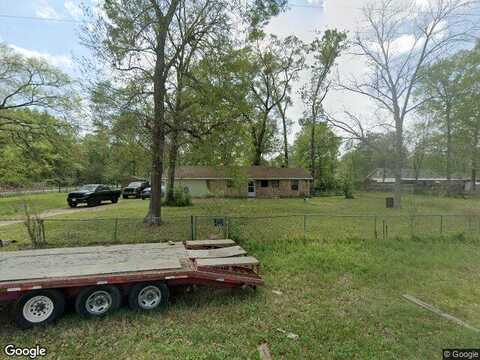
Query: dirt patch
x,y
56,212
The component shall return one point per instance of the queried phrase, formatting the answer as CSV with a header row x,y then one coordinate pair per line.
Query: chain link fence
x,y
261,229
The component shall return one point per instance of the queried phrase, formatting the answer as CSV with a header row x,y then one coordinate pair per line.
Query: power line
x,y
36,18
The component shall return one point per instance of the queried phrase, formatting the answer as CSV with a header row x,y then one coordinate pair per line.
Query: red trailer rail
x,y
99,277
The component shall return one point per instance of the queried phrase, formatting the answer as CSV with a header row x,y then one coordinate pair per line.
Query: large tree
x,y
133,38
440,90
468,110
400,38
269,66
30,83
327,146
291,57
325,51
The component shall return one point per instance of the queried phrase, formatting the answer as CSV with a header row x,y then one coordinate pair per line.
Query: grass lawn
x,y
342,299
341,294
319,224
12,207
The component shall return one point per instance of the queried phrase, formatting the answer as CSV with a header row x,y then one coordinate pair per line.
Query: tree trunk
x,y
154,214
259,140
448,121
257,158
398,162
475,159
172,163
312,152
285,137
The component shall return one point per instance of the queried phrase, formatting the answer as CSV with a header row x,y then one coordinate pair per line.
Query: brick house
x,y
252,181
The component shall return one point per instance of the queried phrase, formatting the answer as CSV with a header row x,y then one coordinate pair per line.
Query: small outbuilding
x,y
250,181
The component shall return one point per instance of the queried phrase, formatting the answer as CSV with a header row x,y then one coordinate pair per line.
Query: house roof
x,y
251,172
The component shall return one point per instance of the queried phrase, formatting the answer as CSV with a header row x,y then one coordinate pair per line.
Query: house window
x,y
264,183
275,183
294,185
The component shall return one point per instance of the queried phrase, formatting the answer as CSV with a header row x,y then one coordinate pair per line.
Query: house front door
x,y
252,192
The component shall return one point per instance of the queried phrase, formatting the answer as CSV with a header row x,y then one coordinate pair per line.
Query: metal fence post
x,y
194,234
226,230
304,227
115,230
441,224
375,233
384,229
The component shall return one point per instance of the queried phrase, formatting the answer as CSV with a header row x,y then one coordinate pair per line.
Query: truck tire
x,y
93,202
97,301
148,296
72,205
114,200
125,196
38,308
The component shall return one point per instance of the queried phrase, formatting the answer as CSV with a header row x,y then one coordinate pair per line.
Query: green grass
x,y
13,207
342,299
96,227
340,293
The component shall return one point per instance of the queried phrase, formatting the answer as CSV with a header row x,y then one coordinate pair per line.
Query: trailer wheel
x,y
97,300
148,296
39,308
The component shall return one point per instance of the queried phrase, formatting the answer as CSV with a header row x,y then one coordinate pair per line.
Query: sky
x,y
58,41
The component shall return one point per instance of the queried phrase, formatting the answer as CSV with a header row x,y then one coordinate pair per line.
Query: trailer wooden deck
x,y
69,265
97,278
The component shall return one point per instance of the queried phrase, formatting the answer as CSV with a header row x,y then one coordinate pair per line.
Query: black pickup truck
x,y
92,194
134,189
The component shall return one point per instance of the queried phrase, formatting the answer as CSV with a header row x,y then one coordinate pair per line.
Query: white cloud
x,y
422,4
73,9
61,61
403,44
45,11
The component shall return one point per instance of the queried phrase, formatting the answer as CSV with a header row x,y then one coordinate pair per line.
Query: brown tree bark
x,y
475,157
172,163
312,152
398,166
448,122
154,214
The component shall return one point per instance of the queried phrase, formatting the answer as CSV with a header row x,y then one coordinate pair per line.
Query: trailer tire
x,y
96,301
148,296
38,308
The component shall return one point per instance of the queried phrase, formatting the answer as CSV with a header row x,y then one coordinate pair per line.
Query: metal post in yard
x,y
305,226
441,224
375,233
227,227
192,232
384,229
115,230
194,227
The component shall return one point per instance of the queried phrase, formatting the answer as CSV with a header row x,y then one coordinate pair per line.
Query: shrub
x,y
181,197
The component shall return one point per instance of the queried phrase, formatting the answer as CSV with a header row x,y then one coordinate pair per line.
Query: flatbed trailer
x,y
98,278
